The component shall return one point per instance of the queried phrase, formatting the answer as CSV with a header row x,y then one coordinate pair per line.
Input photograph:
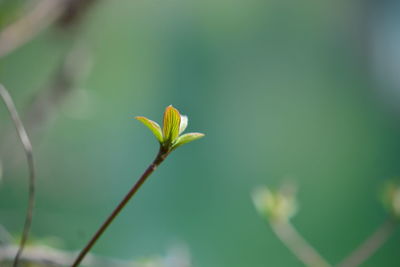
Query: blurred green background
x,y
283,90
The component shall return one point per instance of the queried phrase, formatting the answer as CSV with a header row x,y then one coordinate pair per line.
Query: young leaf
x,y
186,138
171,124
153,126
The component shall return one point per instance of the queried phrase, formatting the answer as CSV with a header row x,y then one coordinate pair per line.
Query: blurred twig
x,y
23,136
297,244
371,244
73,12
45,13
42,107
74,65
30,24
278,207
71,69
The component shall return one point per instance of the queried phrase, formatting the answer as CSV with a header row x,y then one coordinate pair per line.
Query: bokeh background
x,y
307,91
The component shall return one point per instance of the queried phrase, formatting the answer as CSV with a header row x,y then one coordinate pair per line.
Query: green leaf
x,y
153,126
186,138
171,124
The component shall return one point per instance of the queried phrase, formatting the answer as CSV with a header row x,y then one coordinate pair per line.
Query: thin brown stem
x,y
371,244
23,136
162,154
298,245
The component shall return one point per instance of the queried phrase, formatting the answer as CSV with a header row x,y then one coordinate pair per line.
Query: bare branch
x,y
64,13
297,244
23,30
23,136
74,66
371,244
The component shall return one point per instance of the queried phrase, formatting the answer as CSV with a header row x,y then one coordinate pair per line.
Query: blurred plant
x,y
169,138
40,255
391,201
279,206
391,198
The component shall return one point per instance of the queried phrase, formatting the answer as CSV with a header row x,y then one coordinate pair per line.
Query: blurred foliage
x,y
9,11
391,198
276,205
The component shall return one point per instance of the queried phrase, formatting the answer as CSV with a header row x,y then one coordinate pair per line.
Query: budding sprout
x,y
174,124
277,205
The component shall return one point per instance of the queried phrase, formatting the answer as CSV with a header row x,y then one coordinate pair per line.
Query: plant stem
x,y
298,245
371,244
27,145
161,156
